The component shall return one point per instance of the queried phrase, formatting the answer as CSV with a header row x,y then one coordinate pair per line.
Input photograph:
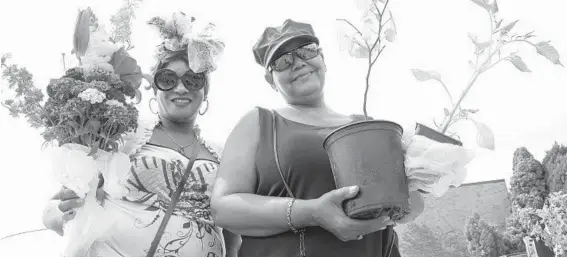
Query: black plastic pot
x,y
370,154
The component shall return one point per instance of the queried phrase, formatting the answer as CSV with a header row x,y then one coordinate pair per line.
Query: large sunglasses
x,y
166,79
305,52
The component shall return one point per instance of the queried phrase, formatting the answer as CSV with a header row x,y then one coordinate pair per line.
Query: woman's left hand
x,y
417,207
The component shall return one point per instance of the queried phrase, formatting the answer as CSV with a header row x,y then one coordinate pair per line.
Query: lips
x,y
181,101
302,75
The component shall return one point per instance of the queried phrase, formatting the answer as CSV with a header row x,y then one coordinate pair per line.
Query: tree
x,y
484,238
554,220
122,23
527,185
555,163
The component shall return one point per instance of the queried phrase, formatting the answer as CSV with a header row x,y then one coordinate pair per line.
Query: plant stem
x,y
371,61
25,232
456,107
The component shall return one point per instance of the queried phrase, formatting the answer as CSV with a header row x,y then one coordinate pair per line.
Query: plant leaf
x,y
508,28
123,63
150,80
390,34
545,49
422,75
519,63
94,149
358,51
446,111
82,32
499,24
485,136
479,46
482,4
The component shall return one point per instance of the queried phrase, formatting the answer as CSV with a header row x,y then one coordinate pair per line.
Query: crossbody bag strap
x,y
302,251
174,200
275,144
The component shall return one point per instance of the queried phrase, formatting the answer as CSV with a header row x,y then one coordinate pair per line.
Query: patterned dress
x,y
152,180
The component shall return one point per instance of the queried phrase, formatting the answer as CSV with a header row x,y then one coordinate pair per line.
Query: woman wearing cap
x,y
283,200
181,84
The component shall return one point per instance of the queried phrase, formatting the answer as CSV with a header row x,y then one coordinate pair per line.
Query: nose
x,y
298,63
180,88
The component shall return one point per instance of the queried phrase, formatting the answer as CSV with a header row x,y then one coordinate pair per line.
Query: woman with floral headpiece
x,y
181,83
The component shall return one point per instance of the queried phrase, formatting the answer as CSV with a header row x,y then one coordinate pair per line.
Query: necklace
x,y
181,147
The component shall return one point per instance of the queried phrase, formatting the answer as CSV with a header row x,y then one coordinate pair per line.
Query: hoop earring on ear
x,y
207,108
150,104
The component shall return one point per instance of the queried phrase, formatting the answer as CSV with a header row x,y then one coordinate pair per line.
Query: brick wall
x,y
439,231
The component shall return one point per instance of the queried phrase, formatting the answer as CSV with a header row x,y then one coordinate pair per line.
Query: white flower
x,y
92,95
114,103
74,169
116,174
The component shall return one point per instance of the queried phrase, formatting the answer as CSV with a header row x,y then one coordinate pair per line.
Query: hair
x,y
171,56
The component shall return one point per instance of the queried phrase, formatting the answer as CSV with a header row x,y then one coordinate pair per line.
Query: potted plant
x,y
369,153
488,53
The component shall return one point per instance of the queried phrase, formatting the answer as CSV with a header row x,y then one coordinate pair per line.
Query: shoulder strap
x,y
174,200
275,144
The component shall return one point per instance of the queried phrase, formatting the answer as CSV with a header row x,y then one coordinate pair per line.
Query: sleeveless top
x,y
307,169
153,179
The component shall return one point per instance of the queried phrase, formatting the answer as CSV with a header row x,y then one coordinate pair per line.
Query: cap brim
x,y
274,49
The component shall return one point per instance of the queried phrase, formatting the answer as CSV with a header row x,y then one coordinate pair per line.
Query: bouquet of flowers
x,y
87,115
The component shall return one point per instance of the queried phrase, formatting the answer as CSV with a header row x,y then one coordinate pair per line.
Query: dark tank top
x,y
306,167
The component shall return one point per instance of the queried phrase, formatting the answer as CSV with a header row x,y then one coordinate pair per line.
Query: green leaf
x,y
5,57
123,63
82,32
138,97
390,35
479,46
548,51
519,63
485,136
93,125
422,75
499,24
150,80
508,28
446,111
94,149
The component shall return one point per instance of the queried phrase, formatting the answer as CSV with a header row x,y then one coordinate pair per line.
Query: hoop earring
x,y
207,108
150,104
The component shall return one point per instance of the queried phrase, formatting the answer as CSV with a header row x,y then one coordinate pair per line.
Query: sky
x,y
522,109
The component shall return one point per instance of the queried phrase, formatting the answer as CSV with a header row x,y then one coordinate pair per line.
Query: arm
x,y
234,205
232,243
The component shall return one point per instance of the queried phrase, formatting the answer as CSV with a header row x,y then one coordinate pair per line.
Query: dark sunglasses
x,y
305,52
166,79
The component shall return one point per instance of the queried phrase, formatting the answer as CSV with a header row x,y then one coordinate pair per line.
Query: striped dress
x,y
152,180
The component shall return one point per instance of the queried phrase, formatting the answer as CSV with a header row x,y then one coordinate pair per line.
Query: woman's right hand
x,y
69,203
329,214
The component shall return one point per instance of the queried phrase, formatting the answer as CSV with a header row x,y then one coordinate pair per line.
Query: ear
x,y
270,79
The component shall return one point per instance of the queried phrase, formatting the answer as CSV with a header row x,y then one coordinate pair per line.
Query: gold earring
x,y
150,104
207,107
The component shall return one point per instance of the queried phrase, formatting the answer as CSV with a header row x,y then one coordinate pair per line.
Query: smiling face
x,y
303,81
179,104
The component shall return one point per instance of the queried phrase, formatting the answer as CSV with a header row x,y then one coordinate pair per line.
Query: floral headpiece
x,y
179,33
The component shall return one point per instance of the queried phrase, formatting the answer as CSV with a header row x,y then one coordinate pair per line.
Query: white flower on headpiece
x,y
181,32
183,24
